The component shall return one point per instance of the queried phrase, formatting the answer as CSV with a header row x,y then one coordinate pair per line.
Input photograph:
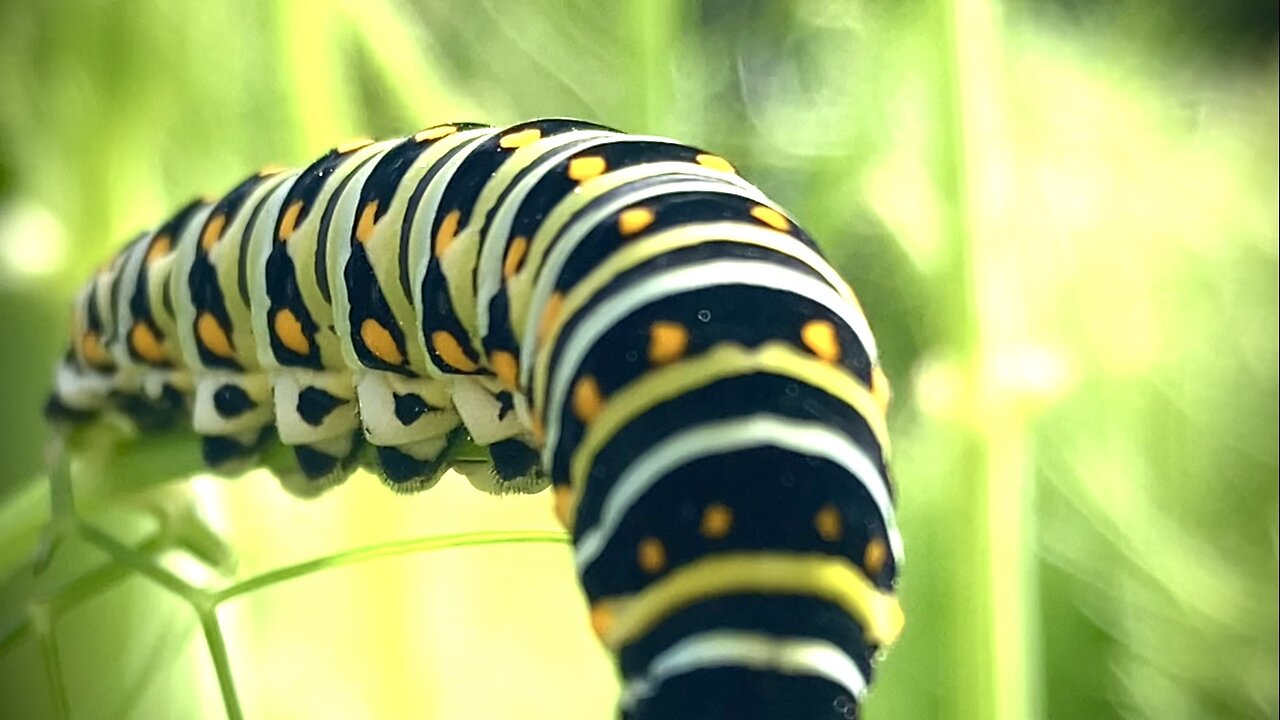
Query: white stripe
x,y
601,317
569,238
421,245
753,650
494,244
727,436
261,237
342,224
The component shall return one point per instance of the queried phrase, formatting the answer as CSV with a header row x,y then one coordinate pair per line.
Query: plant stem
x,y
994,568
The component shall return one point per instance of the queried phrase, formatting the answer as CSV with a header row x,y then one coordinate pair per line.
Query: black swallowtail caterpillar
x,y
621,317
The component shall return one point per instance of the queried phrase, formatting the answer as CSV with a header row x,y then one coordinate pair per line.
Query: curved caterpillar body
x,y
622,317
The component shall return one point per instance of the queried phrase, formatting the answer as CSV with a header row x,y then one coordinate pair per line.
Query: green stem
x,y
389,549
655,24
136,560
221,660
42,621
71,595
995,574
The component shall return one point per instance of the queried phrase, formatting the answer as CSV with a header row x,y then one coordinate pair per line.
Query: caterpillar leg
x,y
410,421
232,413
315,414
490,415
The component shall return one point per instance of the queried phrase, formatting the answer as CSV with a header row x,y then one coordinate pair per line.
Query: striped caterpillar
x,y
621,317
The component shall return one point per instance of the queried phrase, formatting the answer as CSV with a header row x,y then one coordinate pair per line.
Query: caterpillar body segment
x,y
407,410
621,317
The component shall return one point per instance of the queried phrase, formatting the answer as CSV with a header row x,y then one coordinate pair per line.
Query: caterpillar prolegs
x,y
621,317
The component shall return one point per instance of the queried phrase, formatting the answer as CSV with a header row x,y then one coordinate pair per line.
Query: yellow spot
x,y
289,332
289,221
587,400
564,506
213,337
667,342
820,337
93,351
874,556
270,170
633,220
448,229
717,520
651,555
771,217
212,231
353,144
447,347
160,247
539,429
506,367
434,133
881,391
515,256
601,619
145,344
715,162
828,524
550,314
379,341
585,168
364,228
520,139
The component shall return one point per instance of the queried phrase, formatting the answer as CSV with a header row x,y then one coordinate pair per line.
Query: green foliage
x,y
1060,216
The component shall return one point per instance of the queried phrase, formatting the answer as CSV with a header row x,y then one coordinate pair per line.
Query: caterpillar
x,y
622,318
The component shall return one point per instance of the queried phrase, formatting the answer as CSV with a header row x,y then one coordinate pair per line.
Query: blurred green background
x,y
1060,215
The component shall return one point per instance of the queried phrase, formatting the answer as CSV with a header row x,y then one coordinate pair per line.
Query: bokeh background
x,y
1061,216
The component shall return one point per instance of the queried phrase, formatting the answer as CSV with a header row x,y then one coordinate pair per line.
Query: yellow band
x,y
830,578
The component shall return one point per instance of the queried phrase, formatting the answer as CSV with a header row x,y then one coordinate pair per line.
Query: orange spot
x,y
289,220
515,256
771,217
447,347
820,337
564,506
651,555
145,344
364,227
448,229
160,246
289,332
434,133
828,523
717,520
506,367
94,352
667,342
351,145
550,314
270,170
633,220
379,341
715,162
585,168
601,619
881,391
520,139
212,231
873,558
213,337
587,400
